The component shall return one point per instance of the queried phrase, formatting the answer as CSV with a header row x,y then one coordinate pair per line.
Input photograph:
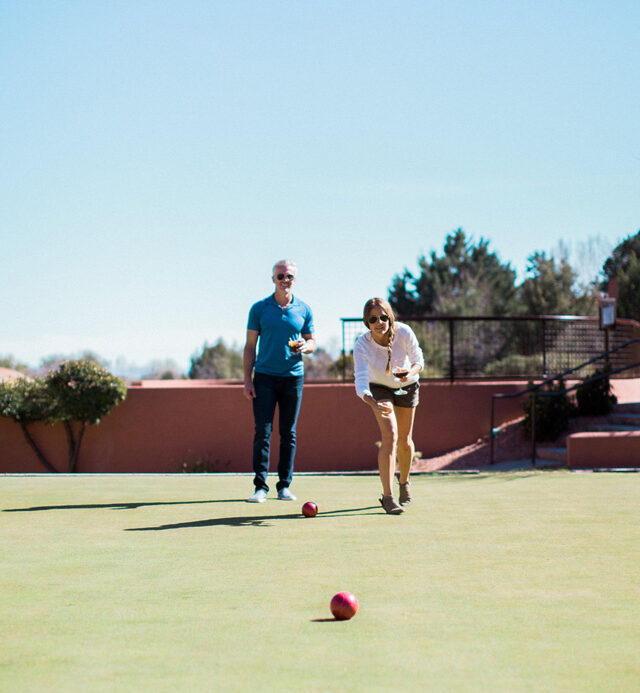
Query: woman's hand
x,y
384,407
414,370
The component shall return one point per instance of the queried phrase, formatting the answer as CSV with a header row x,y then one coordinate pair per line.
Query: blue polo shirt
x,y
276,326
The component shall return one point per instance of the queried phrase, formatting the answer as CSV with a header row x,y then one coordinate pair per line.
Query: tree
x,y
12,364
628,303
50,363
621,257
623,265
322,366
217,362
163,370
549,289
77,392
26,401
467,279
83,392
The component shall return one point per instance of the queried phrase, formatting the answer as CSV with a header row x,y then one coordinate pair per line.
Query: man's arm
x,y
248,361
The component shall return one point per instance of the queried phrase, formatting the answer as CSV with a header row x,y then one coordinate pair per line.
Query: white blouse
x,y
370,359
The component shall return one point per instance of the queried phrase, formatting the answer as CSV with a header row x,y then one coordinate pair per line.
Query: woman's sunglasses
x,y
374,319
281,276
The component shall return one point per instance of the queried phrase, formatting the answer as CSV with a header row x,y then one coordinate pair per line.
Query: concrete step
x,y
625,419
549,453
604,450
627,408
611,427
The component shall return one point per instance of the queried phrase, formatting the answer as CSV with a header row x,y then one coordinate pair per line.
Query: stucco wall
x,y
162,425
615,449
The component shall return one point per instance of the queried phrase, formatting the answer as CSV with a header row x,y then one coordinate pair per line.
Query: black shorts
x,y
409,401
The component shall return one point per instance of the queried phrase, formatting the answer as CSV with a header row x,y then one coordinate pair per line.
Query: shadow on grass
x,y
112,506
253,520
326,620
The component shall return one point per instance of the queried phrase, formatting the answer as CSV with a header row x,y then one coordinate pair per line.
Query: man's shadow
x,y
253,520
113,506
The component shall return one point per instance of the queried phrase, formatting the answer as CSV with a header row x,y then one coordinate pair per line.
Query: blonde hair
x,y
388,310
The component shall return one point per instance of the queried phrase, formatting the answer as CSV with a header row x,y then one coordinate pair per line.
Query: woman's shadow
x,y
253,520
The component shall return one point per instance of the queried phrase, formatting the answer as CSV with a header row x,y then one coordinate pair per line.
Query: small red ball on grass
x,y
309,509
344,606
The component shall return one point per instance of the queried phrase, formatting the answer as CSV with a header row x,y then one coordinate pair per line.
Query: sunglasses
x,y
374,319
281,276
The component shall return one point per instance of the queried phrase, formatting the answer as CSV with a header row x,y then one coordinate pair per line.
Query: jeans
x,y
286,392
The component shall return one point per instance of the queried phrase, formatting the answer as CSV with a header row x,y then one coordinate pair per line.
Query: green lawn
x,y
489,582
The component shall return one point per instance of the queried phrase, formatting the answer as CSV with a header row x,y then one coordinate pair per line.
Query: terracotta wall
x,y
162,425
615,449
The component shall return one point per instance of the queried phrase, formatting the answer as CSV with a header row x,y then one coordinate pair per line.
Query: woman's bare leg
x,y
387,452
405,446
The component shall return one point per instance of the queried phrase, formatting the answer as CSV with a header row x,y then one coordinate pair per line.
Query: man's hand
x,y
249,390
298,346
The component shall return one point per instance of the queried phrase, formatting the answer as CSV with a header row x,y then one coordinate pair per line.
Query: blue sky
x,y
159,156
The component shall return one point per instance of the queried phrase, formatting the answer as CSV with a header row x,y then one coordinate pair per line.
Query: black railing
x,y
592,379
604,356
467,347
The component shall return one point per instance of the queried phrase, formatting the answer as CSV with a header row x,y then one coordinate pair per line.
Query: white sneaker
x,y
285,494
260,496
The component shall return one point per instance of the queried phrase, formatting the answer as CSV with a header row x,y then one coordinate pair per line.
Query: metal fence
x,y
467,347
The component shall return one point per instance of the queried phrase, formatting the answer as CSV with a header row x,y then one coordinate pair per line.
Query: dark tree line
x,y
469,279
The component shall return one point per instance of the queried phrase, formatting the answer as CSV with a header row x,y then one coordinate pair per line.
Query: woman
x,y
389,347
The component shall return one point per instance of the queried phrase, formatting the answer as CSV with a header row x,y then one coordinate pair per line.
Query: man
x,y
281,328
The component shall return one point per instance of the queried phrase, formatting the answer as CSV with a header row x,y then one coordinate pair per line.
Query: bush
x,y
552,412
596,398
76,391
25,400
83,391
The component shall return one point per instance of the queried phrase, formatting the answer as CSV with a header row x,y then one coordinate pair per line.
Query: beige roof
x,y
10,374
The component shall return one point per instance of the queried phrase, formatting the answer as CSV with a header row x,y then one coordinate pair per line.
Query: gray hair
x,y
289,263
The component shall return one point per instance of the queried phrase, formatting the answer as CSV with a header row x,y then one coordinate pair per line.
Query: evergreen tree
x,y
468,279
628,304
624,266
217,362
549,289
621,257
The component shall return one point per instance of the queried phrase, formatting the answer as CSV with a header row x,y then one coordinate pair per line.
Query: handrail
x,y
505,395
592,379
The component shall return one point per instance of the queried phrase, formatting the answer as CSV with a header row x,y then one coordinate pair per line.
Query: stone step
x,y
626,419
611,427
627,408
550,453
605,450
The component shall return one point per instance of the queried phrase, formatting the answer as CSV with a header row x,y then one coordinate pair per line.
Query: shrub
x,y
83,391
76,391
596,398
552,412
25,400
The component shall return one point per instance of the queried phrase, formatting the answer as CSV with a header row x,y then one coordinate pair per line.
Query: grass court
x,y
488,582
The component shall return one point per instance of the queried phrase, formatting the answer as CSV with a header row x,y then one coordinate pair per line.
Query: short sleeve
x,y
254,317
